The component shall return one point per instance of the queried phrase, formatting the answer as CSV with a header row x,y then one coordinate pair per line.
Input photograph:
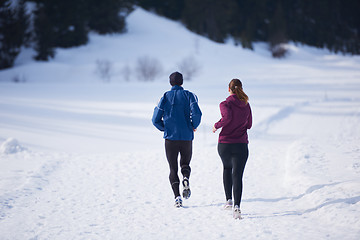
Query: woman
x,y
235,120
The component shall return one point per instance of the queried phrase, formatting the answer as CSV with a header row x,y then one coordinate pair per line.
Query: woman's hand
x,y
214,129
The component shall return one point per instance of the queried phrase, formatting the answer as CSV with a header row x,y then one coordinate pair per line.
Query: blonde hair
x,y
235,86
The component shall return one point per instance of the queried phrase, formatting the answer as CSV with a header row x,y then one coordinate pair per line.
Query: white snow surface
x,y
80,159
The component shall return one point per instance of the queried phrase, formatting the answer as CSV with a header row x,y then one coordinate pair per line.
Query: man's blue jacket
x,y
177,114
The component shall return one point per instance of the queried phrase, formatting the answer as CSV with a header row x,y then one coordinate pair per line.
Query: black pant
x,y
234,157
172,149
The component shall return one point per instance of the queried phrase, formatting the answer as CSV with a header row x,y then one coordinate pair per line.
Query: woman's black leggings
x,y
172,149
234,157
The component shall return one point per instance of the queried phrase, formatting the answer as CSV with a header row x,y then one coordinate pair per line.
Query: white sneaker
x,y
186,185
228,205
237,212
178,202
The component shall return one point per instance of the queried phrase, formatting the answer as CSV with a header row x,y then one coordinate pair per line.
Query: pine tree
x,y
210,18
250,22
59,23
108,16
65,23
68,22
44,34
172,9
23,20
13,22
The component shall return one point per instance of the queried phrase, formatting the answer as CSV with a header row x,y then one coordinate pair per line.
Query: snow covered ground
x,y
80,159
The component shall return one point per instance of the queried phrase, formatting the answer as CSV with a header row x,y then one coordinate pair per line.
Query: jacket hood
x,y
234,100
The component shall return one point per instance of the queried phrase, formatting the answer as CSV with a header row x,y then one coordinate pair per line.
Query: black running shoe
x,y
186,190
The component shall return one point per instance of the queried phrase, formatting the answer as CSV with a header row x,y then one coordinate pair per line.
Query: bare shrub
x,y
19,78
147,69
126,72
104,69
279,51
189,67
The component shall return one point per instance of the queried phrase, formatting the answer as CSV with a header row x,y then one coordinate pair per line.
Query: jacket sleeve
x,y
249,120
195,112
225,115
158,114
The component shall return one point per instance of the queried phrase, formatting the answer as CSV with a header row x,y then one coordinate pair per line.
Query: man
x,y
178,115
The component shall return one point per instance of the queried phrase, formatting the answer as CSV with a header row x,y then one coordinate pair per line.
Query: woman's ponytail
x,y
235,86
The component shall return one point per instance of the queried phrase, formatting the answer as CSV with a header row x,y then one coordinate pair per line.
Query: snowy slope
x,y
80,159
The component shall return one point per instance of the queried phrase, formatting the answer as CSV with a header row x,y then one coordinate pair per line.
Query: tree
x,y
66,20
332,24
44,34
13,25
23,20
66,23
108,16
172,9
211,18
250,22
